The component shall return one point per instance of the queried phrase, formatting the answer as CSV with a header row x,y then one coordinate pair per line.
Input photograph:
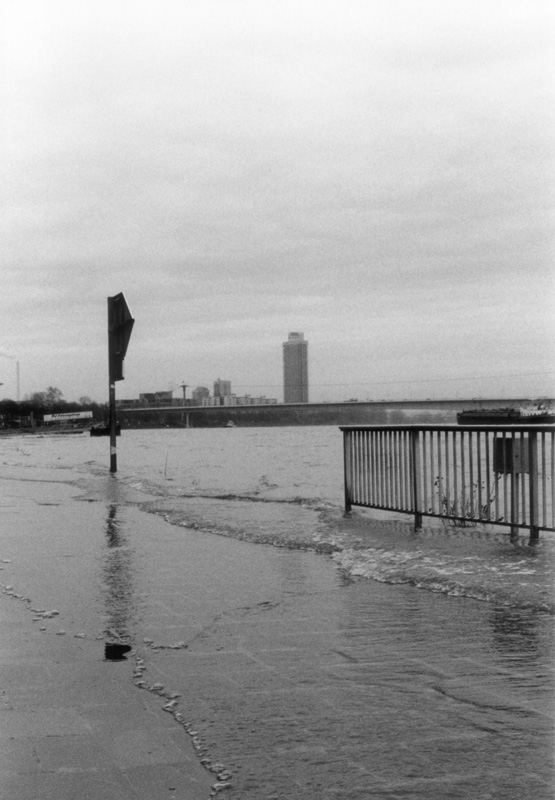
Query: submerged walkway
x,y
257,673
72,724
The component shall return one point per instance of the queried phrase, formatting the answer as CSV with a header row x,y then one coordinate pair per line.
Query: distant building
x,y
295,369
128,403
247,400
156,398
199,394
222,388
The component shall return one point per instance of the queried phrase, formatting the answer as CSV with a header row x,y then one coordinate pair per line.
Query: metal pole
x,y
113,454
112,386
347,469
416,477
533,485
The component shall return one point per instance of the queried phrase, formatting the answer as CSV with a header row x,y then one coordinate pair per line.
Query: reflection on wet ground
x,y
117,578
301,683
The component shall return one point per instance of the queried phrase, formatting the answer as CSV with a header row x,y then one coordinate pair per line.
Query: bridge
x,y
343,413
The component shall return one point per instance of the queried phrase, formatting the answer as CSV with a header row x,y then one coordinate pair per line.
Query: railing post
x,y
416,482
533,485
348,470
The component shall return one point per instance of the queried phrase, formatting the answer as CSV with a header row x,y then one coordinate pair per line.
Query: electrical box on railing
x,y
510,456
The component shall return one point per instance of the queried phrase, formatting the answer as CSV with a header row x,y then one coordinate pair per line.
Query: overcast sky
x,y
378,174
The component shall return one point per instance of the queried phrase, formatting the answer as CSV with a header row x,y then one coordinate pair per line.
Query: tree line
x,y
34,406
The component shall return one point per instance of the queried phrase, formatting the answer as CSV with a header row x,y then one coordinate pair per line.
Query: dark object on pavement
x,y
114,651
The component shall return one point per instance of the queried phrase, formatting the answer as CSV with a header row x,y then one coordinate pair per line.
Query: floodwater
x,y
307,654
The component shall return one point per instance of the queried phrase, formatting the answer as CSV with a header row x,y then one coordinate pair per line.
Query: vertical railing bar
x,y
347,469
362,488
388,469
361,464
504,439
481,506
456,494
525,505
355,468
544,482
361,467
360,471
395,470
446,493
399,471
370,470
463,508
493,440
552,476
374,467
474,512
384,468
433,466
439,475
424,500
364,449
410,496
430,471
402,475
379,474
416,477
392,468
398,503
533,484
403,470
370,466
378,468
392,465
434,469
366,467
406,472
514,484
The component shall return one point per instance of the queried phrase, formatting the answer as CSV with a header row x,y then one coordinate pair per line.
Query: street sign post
x,y
120,325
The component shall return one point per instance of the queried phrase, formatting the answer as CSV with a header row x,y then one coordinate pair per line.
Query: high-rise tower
x,y
295,369
222,388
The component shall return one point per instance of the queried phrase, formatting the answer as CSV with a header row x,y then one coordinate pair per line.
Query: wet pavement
x,y
72,723
255,672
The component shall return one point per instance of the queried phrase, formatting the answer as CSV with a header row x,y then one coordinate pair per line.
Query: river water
x,y
317,655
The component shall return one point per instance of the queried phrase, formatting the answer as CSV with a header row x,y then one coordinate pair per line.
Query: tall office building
x,y
222,388
295,369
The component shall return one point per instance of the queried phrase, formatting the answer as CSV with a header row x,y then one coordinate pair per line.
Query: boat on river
x,y
103,429
506,416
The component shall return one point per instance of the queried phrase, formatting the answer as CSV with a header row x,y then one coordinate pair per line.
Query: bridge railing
x,y
500,475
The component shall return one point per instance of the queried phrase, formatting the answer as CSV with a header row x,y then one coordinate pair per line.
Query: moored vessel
x,y
506,416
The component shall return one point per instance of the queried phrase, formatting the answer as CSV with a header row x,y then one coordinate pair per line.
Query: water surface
x,y
314,655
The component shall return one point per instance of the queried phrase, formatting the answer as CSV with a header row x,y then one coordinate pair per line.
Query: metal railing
x,y
500,475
